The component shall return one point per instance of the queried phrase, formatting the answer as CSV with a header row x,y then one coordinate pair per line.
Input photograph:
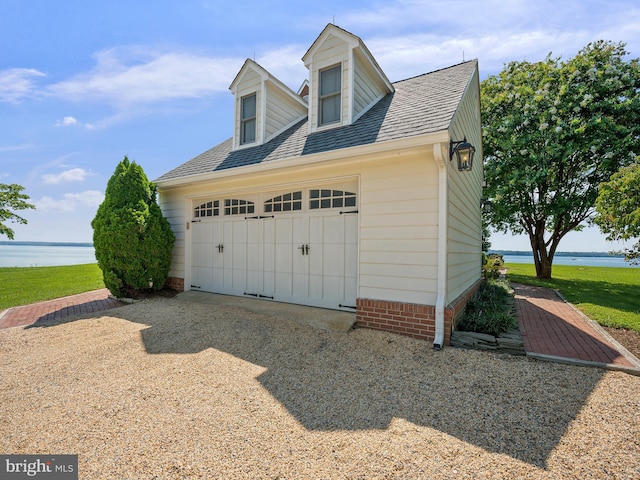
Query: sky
x,y
84,83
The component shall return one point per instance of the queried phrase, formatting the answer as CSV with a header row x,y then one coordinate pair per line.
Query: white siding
x,y
366,90
465,193
281,111
333,51
398,230
173,207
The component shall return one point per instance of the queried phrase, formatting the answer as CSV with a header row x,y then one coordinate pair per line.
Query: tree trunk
x,y
541,259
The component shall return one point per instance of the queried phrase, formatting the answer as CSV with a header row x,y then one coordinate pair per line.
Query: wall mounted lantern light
x,y
463,152
486,205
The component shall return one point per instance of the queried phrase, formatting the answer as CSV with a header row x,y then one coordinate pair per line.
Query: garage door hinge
x,y
348,306
196,221
350,211
251,294
196,286
265,296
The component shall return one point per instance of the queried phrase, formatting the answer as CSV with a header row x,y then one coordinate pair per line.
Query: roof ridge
x,y
473,60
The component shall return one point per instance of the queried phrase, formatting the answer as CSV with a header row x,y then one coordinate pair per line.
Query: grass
x,y
608,295
22,286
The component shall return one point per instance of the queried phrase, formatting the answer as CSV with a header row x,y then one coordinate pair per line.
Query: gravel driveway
x,y
171,389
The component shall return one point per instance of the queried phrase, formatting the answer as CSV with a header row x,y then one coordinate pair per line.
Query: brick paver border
x,y
58,309
550,326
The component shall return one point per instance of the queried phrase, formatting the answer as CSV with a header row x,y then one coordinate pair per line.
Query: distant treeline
x,y
558,254
47,244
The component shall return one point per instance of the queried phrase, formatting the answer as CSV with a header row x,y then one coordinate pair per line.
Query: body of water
x,y
45,255
605,261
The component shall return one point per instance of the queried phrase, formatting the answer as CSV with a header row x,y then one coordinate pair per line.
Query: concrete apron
x,y
323,318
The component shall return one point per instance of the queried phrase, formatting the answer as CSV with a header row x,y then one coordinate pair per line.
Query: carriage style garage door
x,y
297,247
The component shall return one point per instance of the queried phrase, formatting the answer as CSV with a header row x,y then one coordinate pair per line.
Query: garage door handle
x,y
304,248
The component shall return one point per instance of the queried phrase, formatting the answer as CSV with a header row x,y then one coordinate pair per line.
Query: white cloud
x,y
70,201
74,122
136,75
286,64
410,37
17,83
66,122
73,175
405,56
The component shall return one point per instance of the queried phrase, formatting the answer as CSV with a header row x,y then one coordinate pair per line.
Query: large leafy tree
x,y
132,239
618,208
11,199
552,132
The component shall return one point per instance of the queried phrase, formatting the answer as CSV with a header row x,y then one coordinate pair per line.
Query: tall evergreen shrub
x,y
132,239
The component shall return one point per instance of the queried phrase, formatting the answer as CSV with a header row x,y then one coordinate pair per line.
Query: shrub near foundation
x,y
490,310
491,265
132,239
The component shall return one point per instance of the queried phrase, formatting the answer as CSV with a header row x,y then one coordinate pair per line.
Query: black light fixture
x,y
486,205
463,151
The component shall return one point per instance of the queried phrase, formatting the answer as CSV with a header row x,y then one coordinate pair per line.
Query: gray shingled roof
x,y
419,105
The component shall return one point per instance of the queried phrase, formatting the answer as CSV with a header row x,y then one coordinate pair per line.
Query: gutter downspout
x,y
443,227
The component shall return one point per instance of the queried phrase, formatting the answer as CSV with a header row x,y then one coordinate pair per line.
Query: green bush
x,y
491,265
490,310
132,239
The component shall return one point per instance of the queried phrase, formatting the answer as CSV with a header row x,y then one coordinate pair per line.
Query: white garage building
x,y
345,195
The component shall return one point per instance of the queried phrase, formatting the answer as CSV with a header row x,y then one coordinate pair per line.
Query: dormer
x,y
264,106
345,81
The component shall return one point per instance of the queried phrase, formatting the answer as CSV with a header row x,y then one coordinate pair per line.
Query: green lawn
x,y
610,296
22,286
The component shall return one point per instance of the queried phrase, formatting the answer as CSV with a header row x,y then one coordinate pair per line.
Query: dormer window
x,y
248,120
330,101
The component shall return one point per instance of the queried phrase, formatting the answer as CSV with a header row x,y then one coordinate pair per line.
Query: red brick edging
x,y
58,309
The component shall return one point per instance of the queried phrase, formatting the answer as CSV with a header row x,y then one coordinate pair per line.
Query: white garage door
x,y
297,247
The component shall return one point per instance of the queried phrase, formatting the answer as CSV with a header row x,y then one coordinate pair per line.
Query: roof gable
x,y
252,66
362,82
277,106
353,41
249,66
329,31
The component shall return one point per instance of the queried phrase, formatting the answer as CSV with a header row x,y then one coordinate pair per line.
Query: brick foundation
x,y
413,320
410,319
175,283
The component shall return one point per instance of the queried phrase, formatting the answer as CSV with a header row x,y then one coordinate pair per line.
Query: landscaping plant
x,y
132,239
490,310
